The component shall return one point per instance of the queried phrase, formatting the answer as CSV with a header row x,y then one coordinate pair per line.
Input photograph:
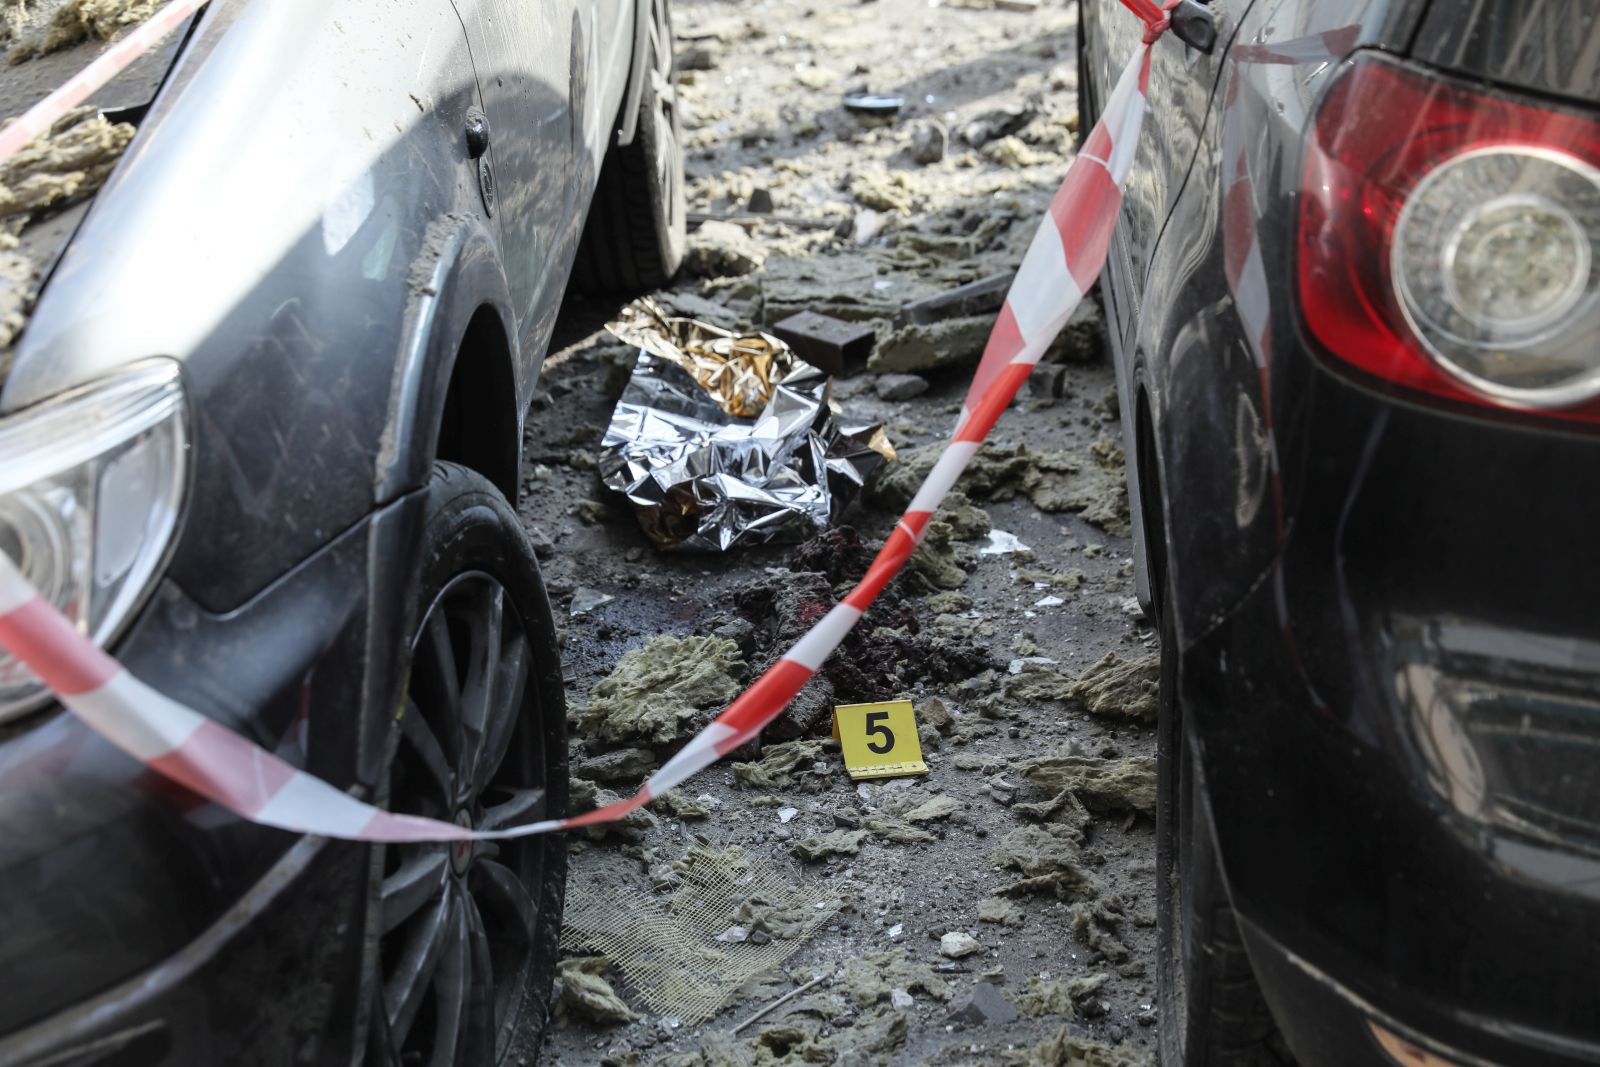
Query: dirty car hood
x,y
125,99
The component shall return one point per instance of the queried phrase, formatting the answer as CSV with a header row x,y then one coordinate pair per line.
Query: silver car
x,y
260,436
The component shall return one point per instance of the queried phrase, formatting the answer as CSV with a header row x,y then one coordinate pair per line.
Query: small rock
x,y
984,1006
734,935
590,511
543,547
958,945
740,632
721,249
699,57
760,202
900,999
936,713
868,224
998,123
900,386
786,814
928,143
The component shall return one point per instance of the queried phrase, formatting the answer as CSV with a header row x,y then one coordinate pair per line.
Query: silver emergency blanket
x,y
700,478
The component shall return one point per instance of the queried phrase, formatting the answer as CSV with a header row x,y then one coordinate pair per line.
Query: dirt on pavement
x,y
1000,909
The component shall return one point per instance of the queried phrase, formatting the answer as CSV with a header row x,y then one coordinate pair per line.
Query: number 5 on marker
x,y
879,740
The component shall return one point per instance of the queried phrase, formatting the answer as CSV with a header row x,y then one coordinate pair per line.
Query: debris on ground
x,y
668,950
899,386
958,945
932,346
984,1005
1055,481
876,226
1066,1050
43,26
1116,685
616,764
1041,578
663,691
833,345
1124,784
17,278
938,559
720,249
1096,923
1050,857
999,910
887,652
787,765
894,831
585,600
982,297
1046,997
834,843
69,162
581,990
584,795
683,806
872,978
928,142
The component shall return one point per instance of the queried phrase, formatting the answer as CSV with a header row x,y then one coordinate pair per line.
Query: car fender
x,y
458,286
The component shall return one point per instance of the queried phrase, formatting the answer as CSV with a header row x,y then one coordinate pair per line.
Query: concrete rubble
x,y
582,990
664,690
1126,784
68,163
38,27
1121,686
1006,632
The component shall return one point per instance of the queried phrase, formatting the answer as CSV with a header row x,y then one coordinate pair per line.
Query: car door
x,y
1182,84
529,64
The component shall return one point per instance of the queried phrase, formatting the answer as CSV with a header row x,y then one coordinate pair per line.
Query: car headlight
x,y
91,484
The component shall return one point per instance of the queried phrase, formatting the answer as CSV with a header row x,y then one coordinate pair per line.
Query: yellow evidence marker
x,y
879,740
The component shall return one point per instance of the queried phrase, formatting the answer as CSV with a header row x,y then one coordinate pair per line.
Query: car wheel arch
x,y
459,367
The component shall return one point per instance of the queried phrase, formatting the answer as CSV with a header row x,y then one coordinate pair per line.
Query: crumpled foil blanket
x,y
699,477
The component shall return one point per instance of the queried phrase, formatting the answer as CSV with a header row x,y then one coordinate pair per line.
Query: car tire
x,y
636,233
467,937
1211,1010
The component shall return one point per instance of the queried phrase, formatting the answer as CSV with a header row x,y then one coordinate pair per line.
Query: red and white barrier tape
x,y
1064,259
119,57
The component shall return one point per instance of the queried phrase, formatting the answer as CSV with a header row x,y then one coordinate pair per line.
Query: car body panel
x,y
533,74
91,838
287,260
299,223
1548,47
1331,542
1194,349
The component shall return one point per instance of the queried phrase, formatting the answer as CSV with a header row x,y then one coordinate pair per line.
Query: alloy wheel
x,y
459,923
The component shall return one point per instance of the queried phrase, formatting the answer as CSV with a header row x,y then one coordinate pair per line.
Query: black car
x,y
260,436
1354,295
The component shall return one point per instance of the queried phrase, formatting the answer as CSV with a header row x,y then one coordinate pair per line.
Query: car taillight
x,y
1449,240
